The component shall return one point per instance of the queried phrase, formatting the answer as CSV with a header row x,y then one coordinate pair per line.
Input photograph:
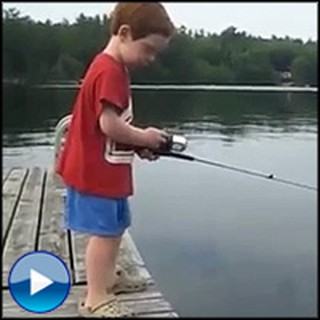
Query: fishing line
x,y
237,169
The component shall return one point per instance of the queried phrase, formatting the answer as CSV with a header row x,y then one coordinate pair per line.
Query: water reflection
x,y
229,115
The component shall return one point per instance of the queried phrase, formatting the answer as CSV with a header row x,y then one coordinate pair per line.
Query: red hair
x,y
144,18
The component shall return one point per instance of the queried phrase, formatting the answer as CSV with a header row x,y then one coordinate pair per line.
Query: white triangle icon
x,y
38,282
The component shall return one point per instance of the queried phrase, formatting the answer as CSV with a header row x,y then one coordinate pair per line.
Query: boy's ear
x,y
124,32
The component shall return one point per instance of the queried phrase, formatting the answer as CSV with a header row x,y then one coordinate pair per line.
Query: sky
x,y
264,19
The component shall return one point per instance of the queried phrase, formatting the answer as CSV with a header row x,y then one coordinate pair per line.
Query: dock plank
x,y
130,259
22,234
5,174
52,236
159,315
149,306
10,194
154,305
78,245
33,200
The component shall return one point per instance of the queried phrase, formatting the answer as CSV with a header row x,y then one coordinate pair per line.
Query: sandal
x,y
126,283
110,308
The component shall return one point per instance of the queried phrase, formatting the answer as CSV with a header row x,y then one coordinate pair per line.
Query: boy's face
x,y
143,51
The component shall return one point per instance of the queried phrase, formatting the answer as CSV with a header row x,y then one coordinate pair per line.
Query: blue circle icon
x,y
39,281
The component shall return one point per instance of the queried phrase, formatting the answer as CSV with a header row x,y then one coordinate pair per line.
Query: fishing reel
x,y
174,143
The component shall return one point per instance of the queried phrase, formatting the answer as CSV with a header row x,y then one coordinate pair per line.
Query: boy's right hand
x,y
155,138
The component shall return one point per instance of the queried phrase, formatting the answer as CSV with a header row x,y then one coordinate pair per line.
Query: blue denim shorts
x,y
96,215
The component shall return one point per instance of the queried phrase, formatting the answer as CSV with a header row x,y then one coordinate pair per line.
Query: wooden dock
x,y
32,216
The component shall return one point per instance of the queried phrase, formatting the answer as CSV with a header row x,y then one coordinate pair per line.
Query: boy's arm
x,y
118,130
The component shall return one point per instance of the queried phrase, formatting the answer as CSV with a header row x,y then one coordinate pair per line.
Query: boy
x,y
95,163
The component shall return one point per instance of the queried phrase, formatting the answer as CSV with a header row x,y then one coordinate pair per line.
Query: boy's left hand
x,y
147,154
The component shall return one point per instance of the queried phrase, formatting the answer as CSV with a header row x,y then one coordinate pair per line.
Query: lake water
x,y
217,242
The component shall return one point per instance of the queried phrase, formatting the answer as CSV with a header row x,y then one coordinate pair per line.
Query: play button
x,y
39,281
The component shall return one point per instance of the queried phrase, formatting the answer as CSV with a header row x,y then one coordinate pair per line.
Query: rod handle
x,y
175,155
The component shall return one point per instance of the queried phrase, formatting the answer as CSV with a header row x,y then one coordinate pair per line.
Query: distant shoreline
x,y
195,87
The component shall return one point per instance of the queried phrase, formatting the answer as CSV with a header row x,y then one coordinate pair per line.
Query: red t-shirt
x,y
91,162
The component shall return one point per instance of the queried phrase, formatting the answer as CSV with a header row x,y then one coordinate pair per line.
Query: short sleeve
x,y
112,87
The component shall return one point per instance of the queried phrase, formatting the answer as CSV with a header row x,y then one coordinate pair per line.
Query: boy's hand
x,y
147,154
155,138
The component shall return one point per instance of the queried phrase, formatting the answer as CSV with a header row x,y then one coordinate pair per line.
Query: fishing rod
x,y
177,144
246,171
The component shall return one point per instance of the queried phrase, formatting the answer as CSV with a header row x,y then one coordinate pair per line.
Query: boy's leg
x,y
101,253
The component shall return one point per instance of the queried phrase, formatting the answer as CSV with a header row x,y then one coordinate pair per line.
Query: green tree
x,y
40,52
304,70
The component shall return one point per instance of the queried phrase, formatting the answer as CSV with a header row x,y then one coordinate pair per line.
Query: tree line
x,y
41,52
